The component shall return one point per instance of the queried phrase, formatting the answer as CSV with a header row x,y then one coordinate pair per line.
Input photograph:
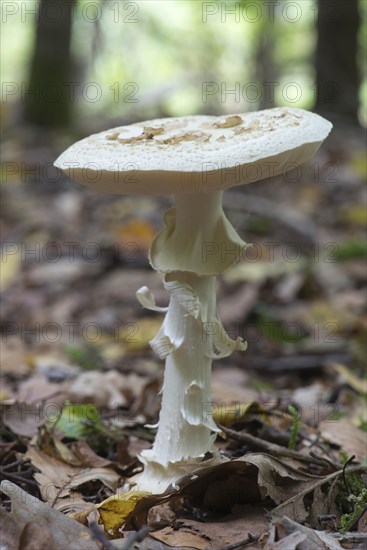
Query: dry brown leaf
x,y
236,307
38,401
66,533
324,504
362,524
215,534
10,266
245,480
87,456
278,480
23,419
15,359
57,480
38,389
51,444
342,432
161,516
312,539
109,389
290,542
36,537
10,530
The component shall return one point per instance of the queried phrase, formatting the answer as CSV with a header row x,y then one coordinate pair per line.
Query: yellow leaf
x,y
357,384
226,414
137,233
136,335
359,163
10,266
115,510
355,214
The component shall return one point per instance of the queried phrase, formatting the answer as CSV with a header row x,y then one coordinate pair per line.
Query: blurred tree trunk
x,y
266,71
48,96
337,76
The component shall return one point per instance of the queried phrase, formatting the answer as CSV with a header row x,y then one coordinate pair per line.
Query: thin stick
x,y
99,535
326,479
273,448
138,536
241,543
344,468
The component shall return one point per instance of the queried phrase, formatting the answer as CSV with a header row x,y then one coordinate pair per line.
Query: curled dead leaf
x,y
66,533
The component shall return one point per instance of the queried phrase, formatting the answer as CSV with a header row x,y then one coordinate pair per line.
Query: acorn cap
x,y
195,154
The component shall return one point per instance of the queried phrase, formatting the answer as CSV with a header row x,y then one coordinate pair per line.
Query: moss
x,y
359,504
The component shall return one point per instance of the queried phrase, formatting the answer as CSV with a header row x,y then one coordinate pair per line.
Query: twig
x,y
240,544
326,479
344,476
356,521
20,462
350,537
272,448
137,536
292,218
298,363
99,535
326,460
11,476
53,503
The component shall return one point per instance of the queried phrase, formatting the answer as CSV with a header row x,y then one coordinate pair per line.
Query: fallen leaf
x,y
10,531
217,534
115,510
11,262
15,359
136,335
87,456
341,432
66,532
277,480
36,537
355,214
51,444
38,389
290,542
258,272
219,486
346,374
78,420
58,480
313,539
227,414
136,234
23,419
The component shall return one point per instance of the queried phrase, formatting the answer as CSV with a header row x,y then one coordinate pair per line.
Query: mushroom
x,y
194,158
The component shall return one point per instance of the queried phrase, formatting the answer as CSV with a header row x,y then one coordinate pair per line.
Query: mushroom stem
x,y
185,422
199,212
190,337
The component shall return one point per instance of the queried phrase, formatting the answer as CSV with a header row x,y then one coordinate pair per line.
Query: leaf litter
x,y
74,409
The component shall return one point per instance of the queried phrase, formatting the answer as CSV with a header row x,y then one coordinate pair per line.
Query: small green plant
x,y
352,499
295,427
85,357
78,421
359,505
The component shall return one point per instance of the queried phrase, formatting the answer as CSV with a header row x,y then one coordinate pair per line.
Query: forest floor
x,y
79,381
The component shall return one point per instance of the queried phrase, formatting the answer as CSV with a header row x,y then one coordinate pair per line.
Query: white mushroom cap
x,y
195,154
